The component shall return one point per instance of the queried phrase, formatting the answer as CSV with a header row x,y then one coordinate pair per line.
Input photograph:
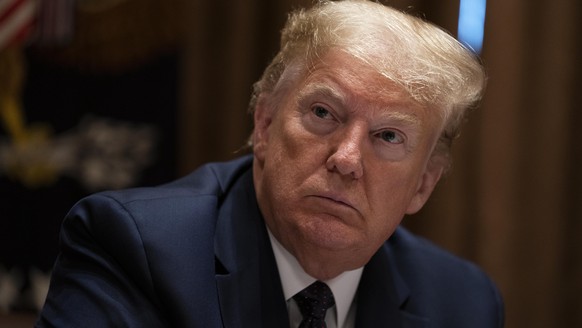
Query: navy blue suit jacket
x,y
196,253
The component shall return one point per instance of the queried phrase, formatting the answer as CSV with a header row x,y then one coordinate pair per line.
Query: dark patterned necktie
x,y
313,302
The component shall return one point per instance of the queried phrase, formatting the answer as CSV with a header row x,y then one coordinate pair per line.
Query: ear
x,y
262,120
431,176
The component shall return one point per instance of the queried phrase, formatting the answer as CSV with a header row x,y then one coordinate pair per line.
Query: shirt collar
x,y
294,279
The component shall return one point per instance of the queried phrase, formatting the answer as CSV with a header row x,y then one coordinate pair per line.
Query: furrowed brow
x,y
323,90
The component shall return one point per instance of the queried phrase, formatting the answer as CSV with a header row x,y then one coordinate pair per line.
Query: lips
x,y
336,199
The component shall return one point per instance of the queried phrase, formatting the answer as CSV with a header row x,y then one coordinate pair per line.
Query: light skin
x,y
340,157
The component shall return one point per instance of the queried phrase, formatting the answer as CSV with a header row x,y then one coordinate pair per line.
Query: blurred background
x,y
108,94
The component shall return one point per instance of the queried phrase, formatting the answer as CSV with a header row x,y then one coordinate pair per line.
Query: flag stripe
x,y
8,8
16,21
7,4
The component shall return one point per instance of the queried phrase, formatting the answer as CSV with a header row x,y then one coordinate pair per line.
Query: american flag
x,y
17,19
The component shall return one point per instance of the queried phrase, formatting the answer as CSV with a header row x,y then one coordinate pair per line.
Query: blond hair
x,y
431,65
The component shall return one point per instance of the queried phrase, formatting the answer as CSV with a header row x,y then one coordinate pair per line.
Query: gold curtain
x,y
112,36
228,44
513,201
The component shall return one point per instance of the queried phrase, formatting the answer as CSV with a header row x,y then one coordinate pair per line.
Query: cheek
x,y
293,146
283,157
292,158
390,194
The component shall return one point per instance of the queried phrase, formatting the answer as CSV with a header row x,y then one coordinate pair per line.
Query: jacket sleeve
x,y
101,277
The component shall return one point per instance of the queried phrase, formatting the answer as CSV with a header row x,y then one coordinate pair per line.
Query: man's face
x,y
340,159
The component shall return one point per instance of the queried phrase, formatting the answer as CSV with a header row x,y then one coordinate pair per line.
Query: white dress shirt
x,y
294,279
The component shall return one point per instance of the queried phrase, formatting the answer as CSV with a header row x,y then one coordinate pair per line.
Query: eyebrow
x,y
321,89
404,118
329,91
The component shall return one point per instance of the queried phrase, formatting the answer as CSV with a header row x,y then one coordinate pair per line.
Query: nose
x,y
346,157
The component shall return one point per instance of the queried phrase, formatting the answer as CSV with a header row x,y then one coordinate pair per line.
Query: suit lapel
x,y
248,282
382,294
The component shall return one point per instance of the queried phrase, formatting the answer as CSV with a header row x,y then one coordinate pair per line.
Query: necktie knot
x,y
313,303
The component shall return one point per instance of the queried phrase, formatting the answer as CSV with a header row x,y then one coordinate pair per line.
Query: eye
x,y
319,120
392,137
321,112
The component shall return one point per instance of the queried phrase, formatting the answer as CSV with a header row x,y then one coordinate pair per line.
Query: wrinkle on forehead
x,y
361,77
388,103
323,89
350,81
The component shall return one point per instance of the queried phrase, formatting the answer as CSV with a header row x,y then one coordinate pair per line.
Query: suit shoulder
x,y
190,202
443,280
421,253
210,180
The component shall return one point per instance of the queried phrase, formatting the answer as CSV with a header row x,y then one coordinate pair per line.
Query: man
x,y
353,123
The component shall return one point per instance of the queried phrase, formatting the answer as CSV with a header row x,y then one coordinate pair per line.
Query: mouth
x,y
337,200
335,206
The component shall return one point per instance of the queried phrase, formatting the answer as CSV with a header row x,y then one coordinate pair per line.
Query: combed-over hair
x,y
426,61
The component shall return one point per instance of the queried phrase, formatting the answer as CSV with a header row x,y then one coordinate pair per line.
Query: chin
x,y
332,235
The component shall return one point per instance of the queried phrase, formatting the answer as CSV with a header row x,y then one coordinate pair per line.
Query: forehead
x,y
346,80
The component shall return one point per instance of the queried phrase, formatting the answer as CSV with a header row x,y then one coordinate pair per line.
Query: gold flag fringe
x,y
11,79
25,138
